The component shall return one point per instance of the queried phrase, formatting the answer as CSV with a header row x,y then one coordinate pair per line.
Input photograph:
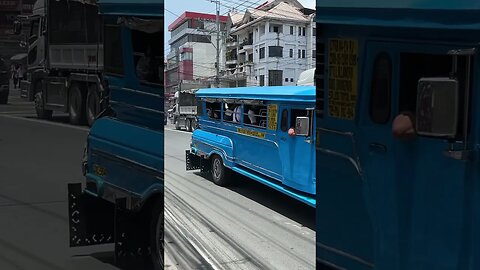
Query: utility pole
x,y
217,64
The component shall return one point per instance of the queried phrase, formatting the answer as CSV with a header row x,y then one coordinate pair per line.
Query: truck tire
x,y
177,125
76,105
189,125
156,235
92,105
221,175
42,113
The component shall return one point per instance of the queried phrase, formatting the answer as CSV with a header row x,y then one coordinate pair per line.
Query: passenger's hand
x,y
403,127
291,132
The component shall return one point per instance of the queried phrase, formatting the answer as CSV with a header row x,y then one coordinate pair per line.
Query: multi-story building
x,y
191,62
269,45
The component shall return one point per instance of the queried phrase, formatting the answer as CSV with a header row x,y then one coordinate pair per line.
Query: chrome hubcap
x,y
216,168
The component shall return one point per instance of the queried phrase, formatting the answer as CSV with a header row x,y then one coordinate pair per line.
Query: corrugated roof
x,y
280,11
236,17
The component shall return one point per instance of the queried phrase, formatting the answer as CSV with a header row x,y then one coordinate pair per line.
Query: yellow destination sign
x,y
272,116
342,78
252,133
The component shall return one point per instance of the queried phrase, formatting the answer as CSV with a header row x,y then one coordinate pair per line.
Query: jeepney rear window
x,y
214,110
255,115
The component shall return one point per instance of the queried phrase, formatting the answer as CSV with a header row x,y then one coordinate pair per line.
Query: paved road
x,y
247,226
37,161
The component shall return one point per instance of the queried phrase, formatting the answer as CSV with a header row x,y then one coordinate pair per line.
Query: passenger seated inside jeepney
x,y
213,110
255,115
228,112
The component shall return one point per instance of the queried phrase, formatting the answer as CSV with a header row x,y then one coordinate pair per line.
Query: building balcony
x,y
232,61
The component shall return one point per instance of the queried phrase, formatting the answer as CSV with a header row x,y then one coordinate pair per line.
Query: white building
x,y
269,45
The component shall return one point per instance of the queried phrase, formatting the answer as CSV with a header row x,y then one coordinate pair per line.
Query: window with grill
x,y
320,78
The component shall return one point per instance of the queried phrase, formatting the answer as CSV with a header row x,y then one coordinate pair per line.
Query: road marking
x,y
179,131
46,122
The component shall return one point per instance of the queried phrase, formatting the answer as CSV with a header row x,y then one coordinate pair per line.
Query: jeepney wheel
x,y
93,105
38,101
220,174
189,125
156,233
75,105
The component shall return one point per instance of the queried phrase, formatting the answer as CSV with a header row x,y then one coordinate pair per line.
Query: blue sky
x,y
174,8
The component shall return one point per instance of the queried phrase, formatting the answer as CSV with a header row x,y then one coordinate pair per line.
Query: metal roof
x,y
144,8
279,93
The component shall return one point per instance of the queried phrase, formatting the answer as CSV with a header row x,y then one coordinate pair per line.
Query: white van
x,y
307,77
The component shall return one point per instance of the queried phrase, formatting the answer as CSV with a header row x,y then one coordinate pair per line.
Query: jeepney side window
x,y
298,113
214,110
113,56
229,112
284,120
147,56
255,115
199,107
381,87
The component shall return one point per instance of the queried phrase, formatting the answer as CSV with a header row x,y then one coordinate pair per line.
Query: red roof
x,y
194,15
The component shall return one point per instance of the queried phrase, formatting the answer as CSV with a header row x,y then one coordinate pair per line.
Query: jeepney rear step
x,y
309,200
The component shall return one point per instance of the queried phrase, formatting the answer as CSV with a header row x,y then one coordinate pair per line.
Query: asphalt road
x,y
37,161
246,226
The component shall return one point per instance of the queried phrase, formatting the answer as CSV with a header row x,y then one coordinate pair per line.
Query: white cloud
x,y
308,3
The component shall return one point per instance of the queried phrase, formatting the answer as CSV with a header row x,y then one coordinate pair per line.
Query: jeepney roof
x,y
439,14
278,93
144,8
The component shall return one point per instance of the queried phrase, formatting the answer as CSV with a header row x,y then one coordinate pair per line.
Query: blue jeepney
x,y
246,130
399,131
122,201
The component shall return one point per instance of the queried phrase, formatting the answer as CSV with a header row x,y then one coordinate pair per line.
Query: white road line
x,y
210,258
179,131
46,122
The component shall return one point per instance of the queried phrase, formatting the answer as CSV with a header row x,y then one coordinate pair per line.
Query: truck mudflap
x,y
194,162
95,221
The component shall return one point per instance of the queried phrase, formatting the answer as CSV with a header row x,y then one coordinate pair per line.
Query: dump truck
x,y
65,59
185,110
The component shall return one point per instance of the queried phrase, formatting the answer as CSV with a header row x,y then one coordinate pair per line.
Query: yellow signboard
x,y
342,78
272,116
252,133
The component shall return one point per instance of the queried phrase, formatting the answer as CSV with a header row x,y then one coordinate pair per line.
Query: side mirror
x,y
302,127
17,27
437,107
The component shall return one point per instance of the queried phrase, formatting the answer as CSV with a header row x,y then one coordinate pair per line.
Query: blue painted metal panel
x,y
146,8
409,207
277,93
131,155
412,14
